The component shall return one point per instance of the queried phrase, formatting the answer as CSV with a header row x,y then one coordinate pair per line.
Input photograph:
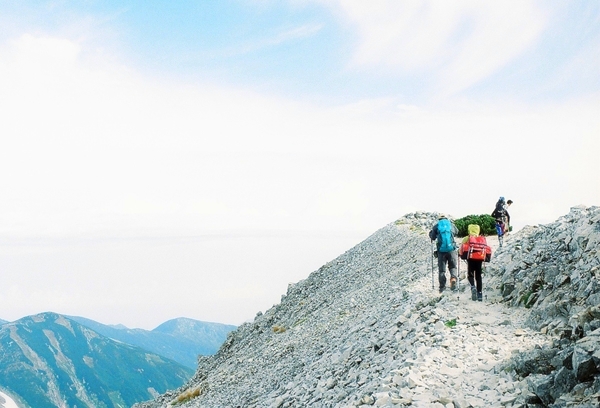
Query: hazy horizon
x,y
128,127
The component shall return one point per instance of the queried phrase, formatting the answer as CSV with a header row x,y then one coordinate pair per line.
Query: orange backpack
x,y
476,248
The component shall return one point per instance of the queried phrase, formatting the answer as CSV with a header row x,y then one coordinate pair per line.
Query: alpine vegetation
x,y
370,329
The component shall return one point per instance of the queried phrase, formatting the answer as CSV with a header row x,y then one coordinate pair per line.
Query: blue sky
x,y
133,123
335,52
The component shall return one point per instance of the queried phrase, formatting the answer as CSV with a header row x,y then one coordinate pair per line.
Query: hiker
x,y
500,214
444,231
475,251
508,204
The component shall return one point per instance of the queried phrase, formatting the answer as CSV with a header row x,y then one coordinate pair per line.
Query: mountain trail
x,y
455,363
367,329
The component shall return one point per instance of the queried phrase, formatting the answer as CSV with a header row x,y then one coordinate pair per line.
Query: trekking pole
x,y
482,275
432,281
458,276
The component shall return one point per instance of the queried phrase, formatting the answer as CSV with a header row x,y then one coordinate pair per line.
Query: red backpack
x,y
476,248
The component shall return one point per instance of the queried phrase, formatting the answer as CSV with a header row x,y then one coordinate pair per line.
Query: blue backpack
x,y
445,237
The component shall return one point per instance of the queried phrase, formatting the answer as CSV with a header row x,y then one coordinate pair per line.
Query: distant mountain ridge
x,y
180,339
50,360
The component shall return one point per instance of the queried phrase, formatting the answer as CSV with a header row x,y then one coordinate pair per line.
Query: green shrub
x,y
487,223
451,323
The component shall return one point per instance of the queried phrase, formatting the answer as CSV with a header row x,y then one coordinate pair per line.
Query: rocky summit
x,y
370,329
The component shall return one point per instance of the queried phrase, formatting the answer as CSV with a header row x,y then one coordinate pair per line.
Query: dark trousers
x,y
450,258
474,273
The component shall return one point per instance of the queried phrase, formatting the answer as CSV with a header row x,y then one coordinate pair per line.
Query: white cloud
x,y
281,37
98,149
295,33
458,42
93,149
499,34
581,70
349,198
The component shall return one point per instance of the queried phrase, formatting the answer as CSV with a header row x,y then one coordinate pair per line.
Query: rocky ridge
x,y
554,271
368,329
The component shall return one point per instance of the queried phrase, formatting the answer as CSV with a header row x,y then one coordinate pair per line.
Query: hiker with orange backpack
x,y
475,250
444,231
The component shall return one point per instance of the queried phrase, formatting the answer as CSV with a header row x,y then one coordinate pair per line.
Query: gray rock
x,y
542,385
366,329
537,361
564,381
583,364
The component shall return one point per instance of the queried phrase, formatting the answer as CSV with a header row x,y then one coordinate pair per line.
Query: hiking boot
x,y
473,293
479,297
442,288
453,284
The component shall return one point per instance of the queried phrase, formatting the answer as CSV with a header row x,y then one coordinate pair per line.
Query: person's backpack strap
x,y
463,251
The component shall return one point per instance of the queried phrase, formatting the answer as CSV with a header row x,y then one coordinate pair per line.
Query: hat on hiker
x,y
442,216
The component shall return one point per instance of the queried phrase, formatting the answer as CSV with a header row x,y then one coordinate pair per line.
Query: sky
x,y
193,158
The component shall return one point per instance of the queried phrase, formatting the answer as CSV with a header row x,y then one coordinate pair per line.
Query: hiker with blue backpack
x,y
443,232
